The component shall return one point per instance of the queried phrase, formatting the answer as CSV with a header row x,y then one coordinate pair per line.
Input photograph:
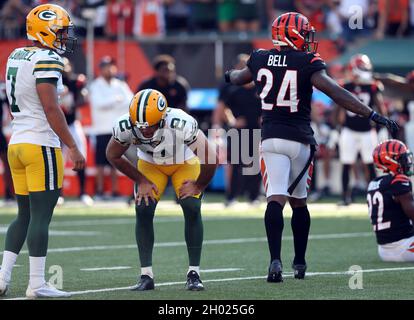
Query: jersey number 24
x,y
290,81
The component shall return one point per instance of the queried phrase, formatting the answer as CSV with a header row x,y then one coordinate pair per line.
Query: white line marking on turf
x,y
287,274
106,268
205,242
220,270
58,233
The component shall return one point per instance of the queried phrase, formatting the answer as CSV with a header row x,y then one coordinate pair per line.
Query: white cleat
x,y
87,200
46,291
4,287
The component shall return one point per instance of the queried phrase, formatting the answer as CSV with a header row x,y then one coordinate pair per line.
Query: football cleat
x,y
193,282
4,287
275,271
46,291
145,283
299,270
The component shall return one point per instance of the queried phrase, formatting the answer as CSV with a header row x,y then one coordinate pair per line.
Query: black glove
x,y
227,76
391,125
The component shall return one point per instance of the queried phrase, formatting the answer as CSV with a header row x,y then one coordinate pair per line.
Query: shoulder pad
x,y
400,178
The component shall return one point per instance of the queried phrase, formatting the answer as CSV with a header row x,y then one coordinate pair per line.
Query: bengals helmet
x,y
52,26
393,156
360,67
294,30
146,109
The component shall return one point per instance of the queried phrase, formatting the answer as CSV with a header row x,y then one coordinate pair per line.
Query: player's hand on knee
x,y
77,158
147,191
189,188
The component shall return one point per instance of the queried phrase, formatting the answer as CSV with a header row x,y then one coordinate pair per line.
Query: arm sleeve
x,y
48,68
121,132
315,63
400,185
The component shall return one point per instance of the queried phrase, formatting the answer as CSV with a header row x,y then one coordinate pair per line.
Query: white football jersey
x,y
170,143
25,68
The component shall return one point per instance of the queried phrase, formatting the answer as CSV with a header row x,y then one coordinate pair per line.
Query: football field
x,y
93,251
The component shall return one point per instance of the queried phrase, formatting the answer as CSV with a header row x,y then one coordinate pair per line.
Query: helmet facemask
x,y
406,163
311,45
65,40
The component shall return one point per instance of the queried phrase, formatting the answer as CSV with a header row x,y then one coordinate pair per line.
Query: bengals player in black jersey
x,y
284,77
358,135
391,203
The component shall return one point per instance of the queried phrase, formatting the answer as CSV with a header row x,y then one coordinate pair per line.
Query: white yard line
x,y
220,270
59,233
205,242
106,268
129,267
287,275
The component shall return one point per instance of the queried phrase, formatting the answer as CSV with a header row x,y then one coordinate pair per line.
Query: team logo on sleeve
x,y
47,15
161,103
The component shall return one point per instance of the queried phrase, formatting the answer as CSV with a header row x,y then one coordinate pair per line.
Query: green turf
x,y
170,259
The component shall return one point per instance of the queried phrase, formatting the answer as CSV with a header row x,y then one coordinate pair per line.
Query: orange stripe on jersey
x,y
400,179
315,59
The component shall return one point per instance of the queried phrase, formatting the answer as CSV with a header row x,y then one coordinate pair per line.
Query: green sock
x,y
17,231
42,205
144,232
193,229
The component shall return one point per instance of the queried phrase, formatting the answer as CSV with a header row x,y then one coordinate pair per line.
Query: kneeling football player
x,y
169,144
391,203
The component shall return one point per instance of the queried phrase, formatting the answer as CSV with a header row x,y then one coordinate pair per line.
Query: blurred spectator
x,y
177,15
149,18
226,14
203,15
313,9
275,8
109,99
72,98
175,88
7,179
321,125
13,18
393,18
247,16
239,108
95,10
120,16
411,16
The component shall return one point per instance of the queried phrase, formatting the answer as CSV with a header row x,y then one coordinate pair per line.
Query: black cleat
x,y
299,270
145,283
193,282
275,271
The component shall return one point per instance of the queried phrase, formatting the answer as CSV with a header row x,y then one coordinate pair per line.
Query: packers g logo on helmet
x,y
43,24
147,108
47,15
161,103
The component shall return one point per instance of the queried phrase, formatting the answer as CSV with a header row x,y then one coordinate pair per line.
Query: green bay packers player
x,y
33,81
169,144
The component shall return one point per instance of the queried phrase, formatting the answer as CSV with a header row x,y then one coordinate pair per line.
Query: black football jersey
x,y
365,93
283,83
388,219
